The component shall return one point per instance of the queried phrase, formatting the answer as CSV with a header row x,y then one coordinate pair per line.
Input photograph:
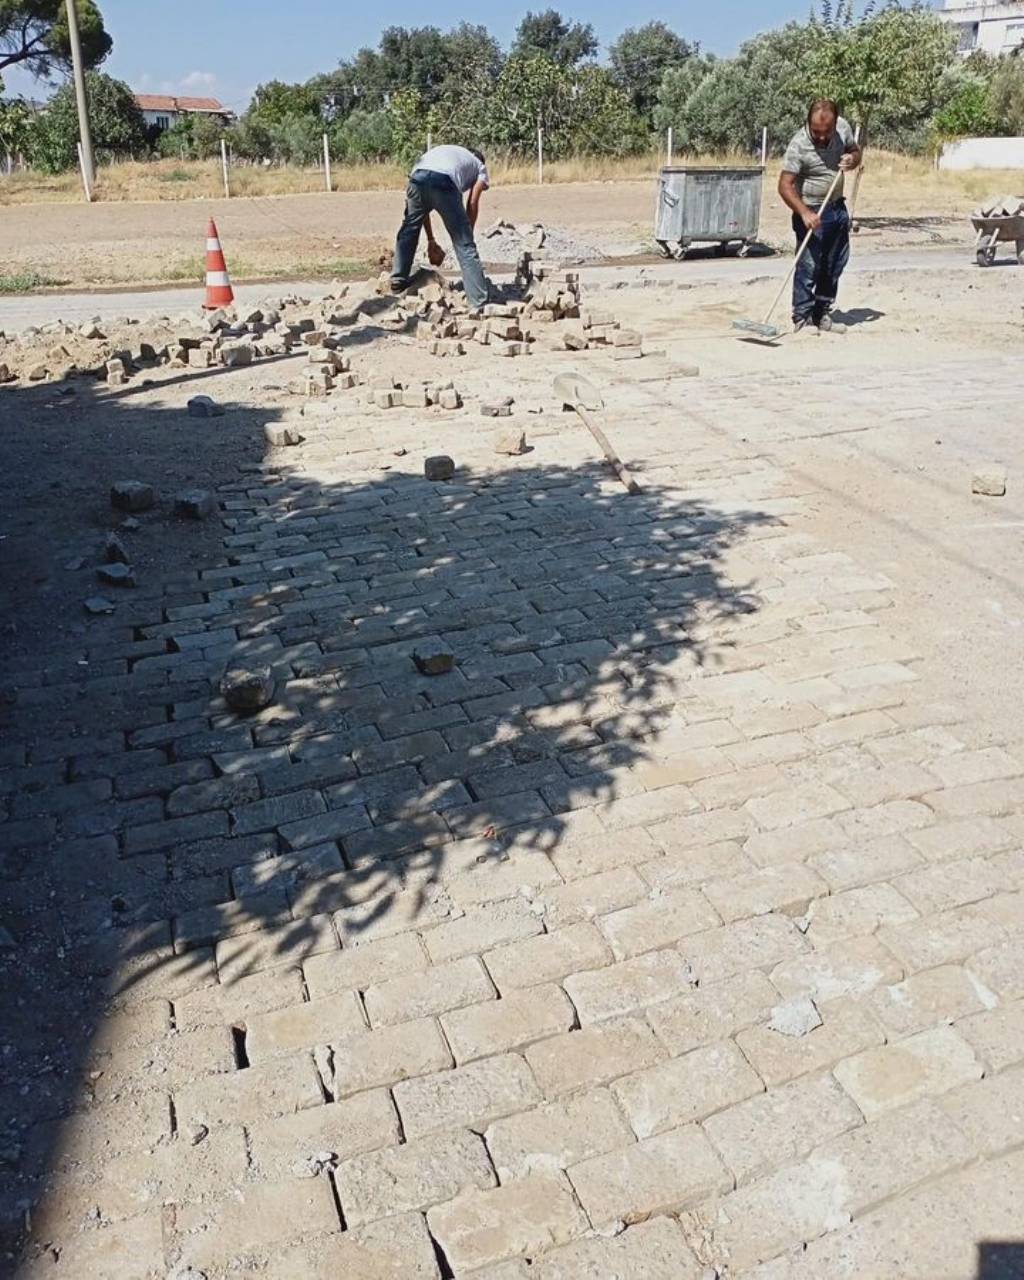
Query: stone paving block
x,y
794,844
952,884
926,999
662,919
852,967
988,1112
519,1019
127,1124
928,1062
303,1026
605,852
732,789
390,913
490,879
629,986
1004,796
471,1096
413,1176
996,1035
693,867
866,862
394,1247
593,1055
745,944
648,807
1001,968
948,938
891,818
964,838
481,929
281,1087
685,1089
482,1228
967,767
780,1126
344,1129
436,990
234,1002
847,1028
930,1231
367,965
856,913
838,1180
391,1054
783,887
658,1175
796,804
286,944
547,958
256,1217
715,1011
653,1250
591,896
101,1254
557,1135
205,925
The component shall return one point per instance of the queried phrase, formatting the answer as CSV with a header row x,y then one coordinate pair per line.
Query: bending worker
x,y
437,184
823,147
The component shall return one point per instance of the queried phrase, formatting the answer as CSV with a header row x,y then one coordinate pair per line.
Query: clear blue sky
x,y
224,48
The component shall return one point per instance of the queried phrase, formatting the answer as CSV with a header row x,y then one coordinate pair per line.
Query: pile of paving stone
x,y
504,241
1000,207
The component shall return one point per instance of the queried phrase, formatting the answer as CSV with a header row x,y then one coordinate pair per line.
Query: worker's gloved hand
x,y
435,254
812,220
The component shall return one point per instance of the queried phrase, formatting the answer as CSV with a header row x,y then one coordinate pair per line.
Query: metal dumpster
x,y
704,203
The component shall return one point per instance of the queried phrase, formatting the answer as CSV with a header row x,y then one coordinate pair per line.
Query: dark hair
x,y
821,105
479,154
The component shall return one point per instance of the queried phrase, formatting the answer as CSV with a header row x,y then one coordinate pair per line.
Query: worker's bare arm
x,y
852,158
431,238
792,199
473,202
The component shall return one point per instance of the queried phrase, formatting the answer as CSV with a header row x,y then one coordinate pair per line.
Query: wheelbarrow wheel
x,y
1020,253
986,257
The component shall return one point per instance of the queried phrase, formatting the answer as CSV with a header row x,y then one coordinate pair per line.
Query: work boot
x,y
827,325
803,325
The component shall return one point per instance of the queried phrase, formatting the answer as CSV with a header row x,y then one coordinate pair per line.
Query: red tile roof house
x,y
163,110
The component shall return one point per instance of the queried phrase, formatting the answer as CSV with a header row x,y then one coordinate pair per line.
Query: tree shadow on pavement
x,y
153,843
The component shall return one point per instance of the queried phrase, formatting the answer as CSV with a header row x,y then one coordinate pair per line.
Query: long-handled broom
x,y
764,329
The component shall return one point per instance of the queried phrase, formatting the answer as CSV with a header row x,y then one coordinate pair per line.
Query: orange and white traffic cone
x,y
218,284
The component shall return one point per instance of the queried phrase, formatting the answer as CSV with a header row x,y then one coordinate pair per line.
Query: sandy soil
x,y
323,235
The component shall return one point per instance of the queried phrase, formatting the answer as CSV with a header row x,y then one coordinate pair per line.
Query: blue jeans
x,y
816,282
430,192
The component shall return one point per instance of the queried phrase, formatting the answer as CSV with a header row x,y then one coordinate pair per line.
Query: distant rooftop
x,y
165,102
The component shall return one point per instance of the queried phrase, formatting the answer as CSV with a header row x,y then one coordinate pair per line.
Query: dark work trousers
x,y
430,192
816,282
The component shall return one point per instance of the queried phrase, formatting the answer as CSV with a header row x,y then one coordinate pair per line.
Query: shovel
x,y
764,329
579,393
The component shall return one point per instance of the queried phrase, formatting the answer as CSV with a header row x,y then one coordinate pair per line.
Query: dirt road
x,y
320,235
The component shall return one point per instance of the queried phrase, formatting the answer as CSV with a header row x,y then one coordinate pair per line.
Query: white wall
x,y
984,153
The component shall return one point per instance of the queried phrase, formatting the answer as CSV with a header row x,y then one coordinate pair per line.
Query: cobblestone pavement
x,y
674,933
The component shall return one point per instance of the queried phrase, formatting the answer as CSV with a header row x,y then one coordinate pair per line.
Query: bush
x,y
363,136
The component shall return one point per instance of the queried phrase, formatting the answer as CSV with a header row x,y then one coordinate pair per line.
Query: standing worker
x,y
823,147
437,184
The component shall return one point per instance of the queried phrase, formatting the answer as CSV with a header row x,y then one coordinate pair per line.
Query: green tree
x,y
566,43
716,106
966,107
118,128
887,67
1006,96
640,58
15,130
34,33
275,102
363,136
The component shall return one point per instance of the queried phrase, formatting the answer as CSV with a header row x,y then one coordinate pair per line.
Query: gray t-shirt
x,y
461,165
815,166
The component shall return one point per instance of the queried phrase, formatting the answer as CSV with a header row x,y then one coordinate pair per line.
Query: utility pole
x,y
89,169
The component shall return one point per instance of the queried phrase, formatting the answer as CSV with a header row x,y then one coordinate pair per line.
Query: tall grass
x,y
202,179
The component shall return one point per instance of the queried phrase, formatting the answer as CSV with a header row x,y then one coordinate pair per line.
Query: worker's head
x,y
479,154
822,116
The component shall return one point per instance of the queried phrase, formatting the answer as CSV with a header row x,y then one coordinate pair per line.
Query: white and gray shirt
x,y
815,166
457,163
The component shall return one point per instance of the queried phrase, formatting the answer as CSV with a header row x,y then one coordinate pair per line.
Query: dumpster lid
x,y
712,168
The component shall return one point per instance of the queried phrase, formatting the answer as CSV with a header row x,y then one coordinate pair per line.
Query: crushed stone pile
x,y
505,241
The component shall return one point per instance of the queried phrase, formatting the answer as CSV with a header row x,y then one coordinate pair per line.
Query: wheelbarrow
x,y
993,231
